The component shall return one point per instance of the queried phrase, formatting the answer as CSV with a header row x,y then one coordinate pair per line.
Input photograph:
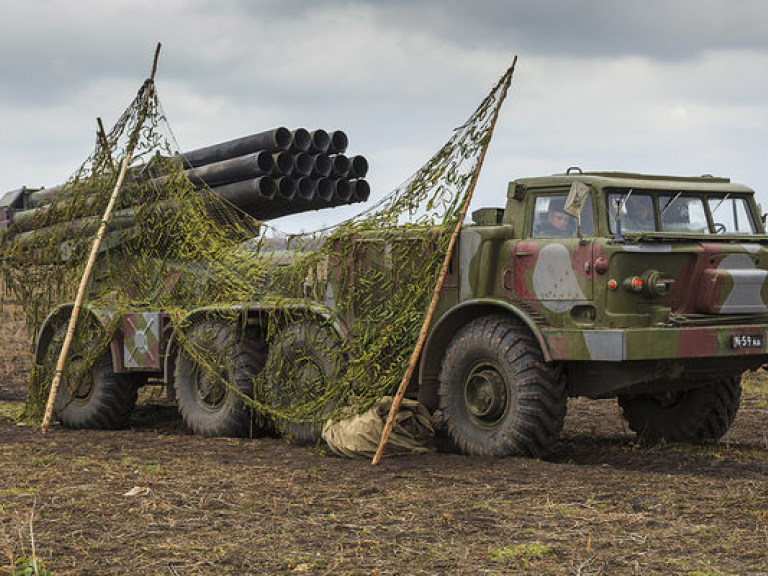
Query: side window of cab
x,y
550,220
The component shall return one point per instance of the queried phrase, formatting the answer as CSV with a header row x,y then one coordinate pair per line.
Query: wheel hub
x,y
211,390
77,380
299,383
311,375
485,395
668,399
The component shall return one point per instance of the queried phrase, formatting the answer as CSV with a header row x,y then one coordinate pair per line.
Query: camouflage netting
x,y
332,316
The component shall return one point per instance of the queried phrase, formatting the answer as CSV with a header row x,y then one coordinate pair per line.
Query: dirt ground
x,y
155,500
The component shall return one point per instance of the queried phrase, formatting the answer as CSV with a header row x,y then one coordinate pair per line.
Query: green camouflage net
x,y
263,331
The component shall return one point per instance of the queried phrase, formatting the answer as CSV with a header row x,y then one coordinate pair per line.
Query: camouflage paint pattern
x,y
703,294
142,340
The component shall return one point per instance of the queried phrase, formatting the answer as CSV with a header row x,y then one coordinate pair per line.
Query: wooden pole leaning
x,y
102,136
439,284
95,251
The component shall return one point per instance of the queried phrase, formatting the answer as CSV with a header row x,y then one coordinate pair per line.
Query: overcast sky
x,y
657,86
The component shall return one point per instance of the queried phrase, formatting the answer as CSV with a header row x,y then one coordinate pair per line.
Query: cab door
x,y
553,266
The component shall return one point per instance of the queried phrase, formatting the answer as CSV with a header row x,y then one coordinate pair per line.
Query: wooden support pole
x,y
95,250
102,136
440,280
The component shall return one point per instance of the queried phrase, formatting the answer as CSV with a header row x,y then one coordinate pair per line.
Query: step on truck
x,y
648,289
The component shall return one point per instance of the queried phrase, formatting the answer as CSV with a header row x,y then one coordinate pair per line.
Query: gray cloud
x,y
663,29
643,85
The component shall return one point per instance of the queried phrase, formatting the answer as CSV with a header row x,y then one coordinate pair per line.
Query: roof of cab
x,y
630,180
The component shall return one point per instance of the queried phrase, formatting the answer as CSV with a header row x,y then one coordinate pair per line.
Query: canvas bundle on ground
x,y
358,435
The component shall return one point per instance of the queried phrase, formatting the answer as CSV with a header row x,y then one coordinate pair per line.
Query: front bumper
x,y
657,343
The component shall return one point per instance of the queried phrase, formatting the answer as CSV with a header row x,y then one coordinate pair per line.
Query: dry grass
x,y
15,352
144,501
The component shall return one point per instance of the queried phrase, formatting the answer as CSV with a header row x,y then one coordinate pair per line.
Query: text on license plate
x,y
747,341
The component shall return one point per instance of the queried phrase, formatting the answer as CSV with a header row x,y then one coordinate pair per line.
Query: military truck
x,y
650,289
665,314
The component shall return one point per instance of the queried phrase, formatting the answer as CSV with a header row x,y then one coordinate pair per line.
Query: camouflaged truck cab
x,y
654,293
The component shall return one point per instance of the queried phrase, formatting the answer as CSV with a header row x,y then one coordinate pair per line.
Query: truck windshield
x,y
731,215
683,214
637,212
680,212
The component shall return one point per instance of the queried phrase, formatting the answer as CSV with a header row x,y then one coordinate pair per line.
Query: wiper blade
x,y
720,203
671,201
624,199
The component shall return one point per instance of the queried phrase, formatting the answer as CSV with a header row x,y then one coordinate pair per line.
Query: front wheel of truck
x,y
700,414
498,396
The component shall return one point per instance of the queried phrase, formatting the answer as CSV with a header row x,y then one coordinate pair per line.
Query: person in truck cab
x,y
639,216
558,223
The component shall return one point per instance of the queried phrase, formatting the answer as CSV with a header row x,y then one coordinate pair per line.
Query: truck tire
x,y
304,360
214,402
95,398
498,396
700,414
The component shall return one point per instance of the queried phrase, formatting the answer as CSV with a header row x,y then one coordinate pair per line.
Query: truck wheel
x,y
214,377
305,359
497,395
698,414
92,397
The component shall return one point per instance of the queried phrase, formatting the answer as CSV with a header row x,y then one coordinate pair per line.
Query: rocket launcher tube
x,y
358,167
271,140
325,189
244,193
286,188
43,196
339,142
283,163
301,140
321,165
228,171
342,191
340,165
307,187
304,163
321,141
361,190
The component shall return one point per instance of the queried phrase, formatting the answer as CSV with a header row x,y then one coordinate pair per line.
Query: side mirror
x,y
576,199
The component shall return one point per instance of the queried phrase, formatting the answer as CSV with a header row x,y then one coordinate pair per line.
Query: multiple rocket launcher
x,y
281,172
266,175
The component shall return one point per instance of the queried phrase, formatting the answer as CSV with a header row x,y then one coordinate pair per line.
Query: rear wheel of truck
x,y
700,414
90,394
216,368
498,396
304,362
